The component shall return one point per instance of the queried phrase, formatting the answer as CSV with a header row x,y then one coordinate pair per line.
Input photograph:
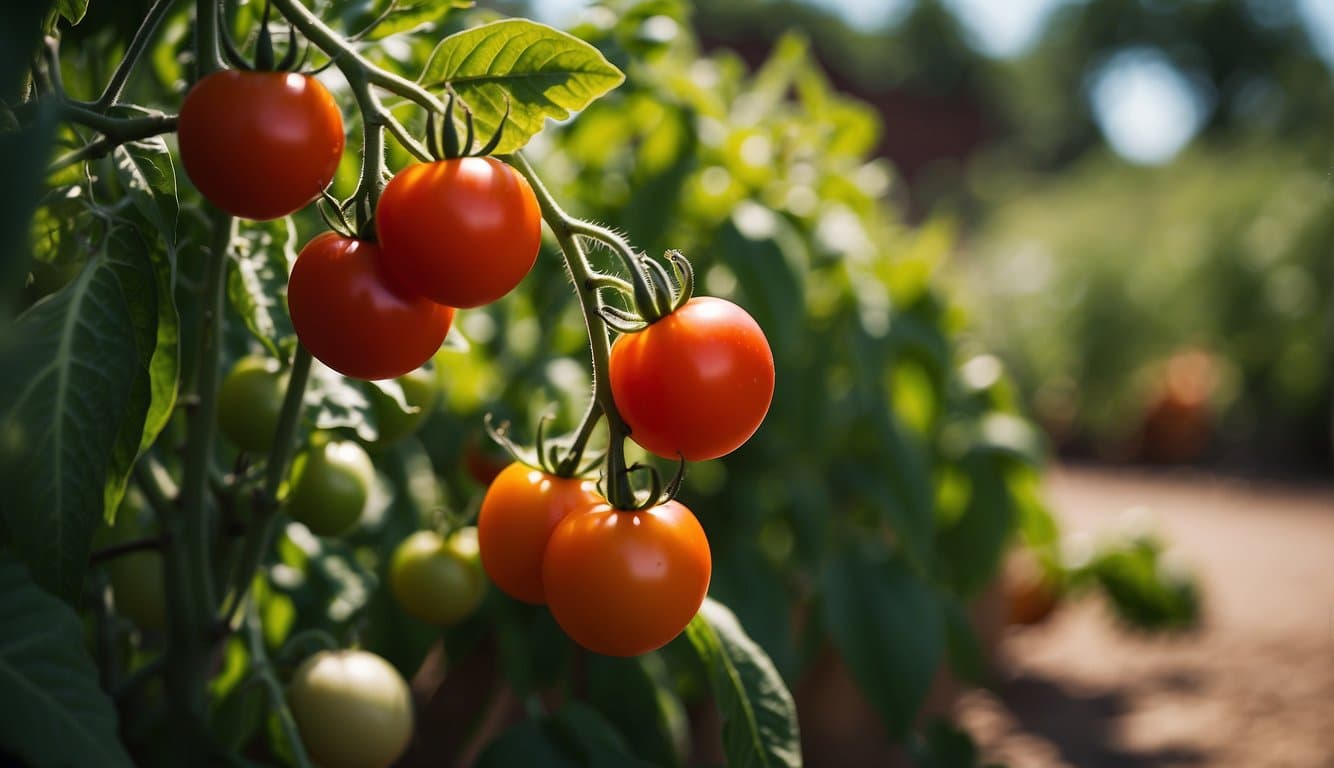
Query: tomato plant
x,y
331,483
462,232
260,144
353,709
521,508
435,579
354,318
622,583
695,383
249,401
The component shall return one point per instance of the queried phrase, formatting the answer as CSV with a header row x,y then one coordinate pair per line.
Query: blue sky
x,y
1146,109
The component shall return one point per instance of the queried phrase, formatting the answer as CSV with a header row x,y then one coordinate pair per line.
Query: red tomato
x,y
625,583
462,232
353,318
520,510
696,383
260,144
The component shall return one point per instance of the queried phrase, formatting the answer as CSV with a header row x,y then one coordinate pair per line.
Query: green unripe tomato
x,y
352,708
137,588
331,483
420,392
249,401
438,581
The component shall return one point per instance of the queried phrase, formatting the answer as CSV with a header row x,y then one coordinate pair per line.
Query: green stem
x,y
208,57
264,516
126,547
619,491
347,58
115,131
138,44
262,668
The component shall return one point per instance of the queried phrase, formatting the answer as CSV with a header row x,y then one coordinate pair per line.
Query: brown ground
x,y
1253,687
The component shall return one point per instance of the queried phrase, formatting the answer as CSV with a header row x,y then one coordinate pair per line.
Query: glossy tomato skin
x,y
352,709
354,318
250,400
436,580
698,382
331,484
260,145
521,508
625,583
463,232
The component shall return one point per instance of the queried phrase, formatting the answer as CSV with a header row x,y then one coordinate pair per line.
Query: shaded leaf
x,y
888,627
70,412
257,281
759,716
52,712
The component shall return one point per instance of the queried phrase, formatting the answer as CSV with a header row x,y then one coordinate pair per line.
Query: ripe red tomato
x,y
625,583
697,382
260,144
520,510
462,232
353,318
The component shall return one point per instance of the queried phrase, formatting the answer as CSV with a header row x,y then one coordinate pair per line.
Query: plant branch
x,y
115,131
262,669
564,227
208,58
126,547
264,509
138,45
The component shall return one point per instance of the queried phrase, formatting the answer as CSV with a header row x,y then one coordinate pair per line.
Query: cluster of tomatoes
x,y
455,233
692,385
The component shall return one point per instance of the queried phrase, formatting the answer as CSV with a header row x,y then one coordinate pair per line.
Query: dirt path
x,y
1254,686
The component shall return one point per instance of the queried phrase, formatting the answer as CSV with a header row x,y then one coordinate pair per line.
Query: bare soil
x,y
1253,686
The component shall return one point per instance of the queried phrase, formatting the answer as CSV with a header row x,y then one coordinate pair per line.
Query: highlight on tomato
x,y
353,316
623,583
260,145
463,232
521,508
696,383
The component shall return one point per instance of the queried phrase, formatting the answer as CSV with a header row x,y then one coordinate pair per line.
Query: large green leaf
x,y
72,10
539,72
889,629
52,711
75,396
971,548
759,716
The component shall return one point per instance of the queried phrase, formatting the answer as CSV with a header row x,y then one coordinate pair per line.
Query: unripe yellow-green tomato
x,y
352,708
331,483
137,588
438,581
250,399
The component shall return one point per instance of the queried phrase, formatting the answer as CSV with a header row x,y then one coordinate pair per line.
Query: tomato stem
x,y
259,533
564,227
208,58
138,45
262,670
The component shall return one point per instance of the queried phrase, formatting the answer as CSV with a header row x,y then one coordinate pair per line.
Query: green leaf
x,y
636,696
888,627
407,15
759,716
53,711
971,548
73,405
257,280
72,10
145,278
23,154
539,72
942,745
146,170
575,737
335,402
